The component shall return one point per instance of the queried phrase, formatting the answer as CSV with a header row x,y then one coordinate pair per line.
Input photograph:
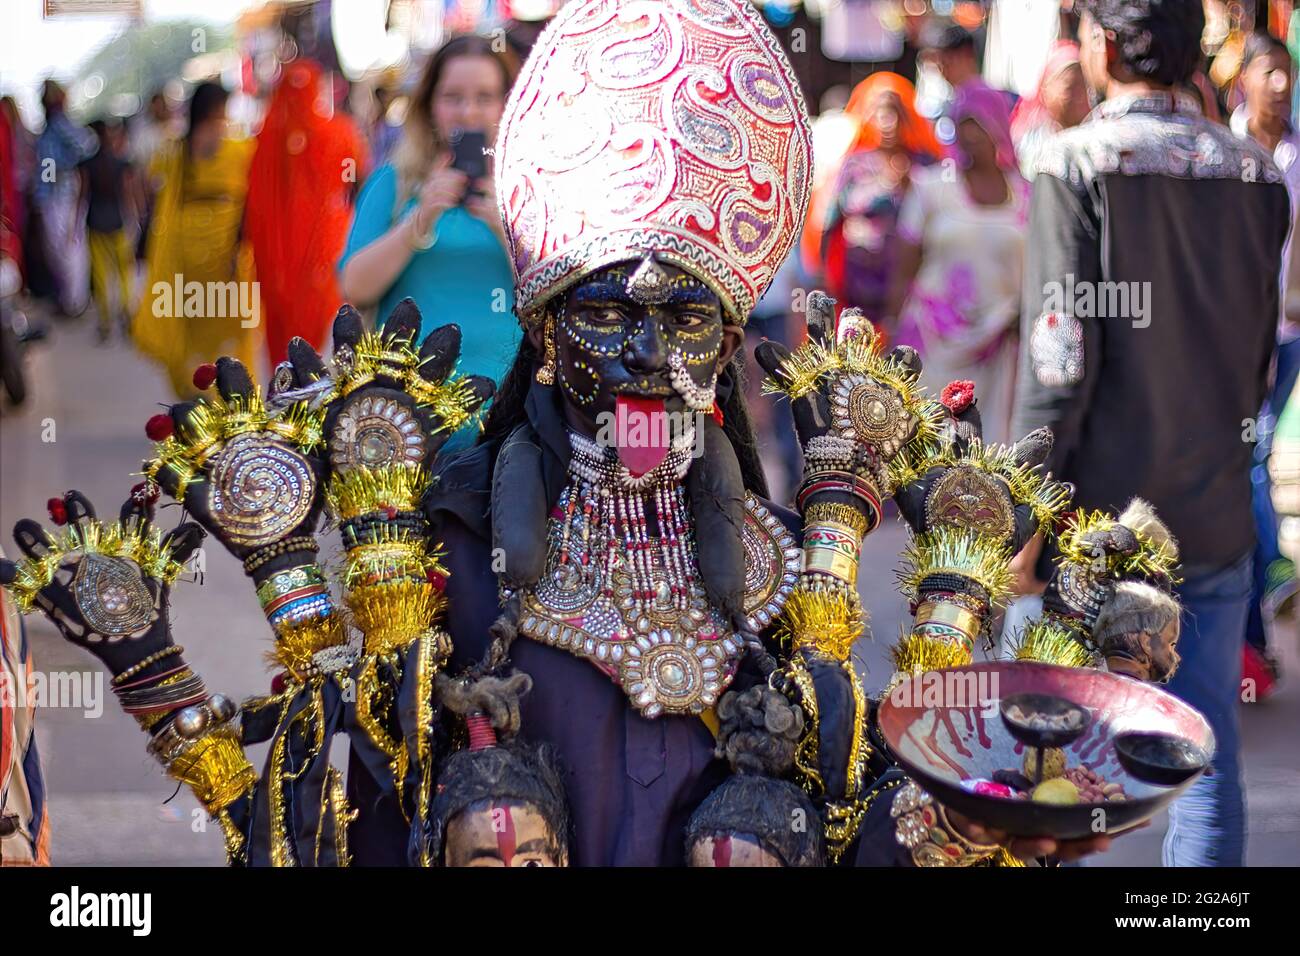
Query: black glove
x,y
252,491
383,421
106,603
976,499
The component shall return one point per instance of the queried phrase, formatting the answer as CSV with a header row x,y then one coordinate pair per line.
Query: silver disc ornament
x,y
373,431
865,411
259,490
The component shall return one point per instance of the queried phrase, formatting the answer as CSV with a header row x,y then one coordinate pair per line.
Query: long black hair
x,y
207,100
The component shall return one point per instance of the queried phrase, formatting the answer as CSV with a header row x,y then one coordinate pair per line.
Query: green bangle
x,y
291,579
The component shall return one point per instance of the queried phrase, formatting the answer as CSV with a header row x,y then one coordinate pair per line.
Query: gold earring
x,y
546,374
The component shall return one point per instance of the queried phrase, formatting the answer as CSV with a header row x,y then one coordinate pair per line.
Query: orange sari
x,y
300,190
915,135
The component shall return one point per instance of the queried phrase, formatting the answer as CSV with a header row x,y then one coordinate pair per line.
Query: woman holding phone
x,y
426,224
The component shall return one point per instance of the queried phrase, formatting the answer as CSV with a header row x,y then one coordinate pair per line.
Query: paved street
x,y
109,803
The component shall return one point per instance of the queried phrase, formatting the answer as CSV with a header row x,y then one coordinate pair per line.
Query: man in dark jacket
x,y
1150,315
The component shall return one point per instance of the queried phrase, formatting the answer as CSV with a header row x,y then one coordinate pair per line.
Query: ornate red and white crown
x,y
668,126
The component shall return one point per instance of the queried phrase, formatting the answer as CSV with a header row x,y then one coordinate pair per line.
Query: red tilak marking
x,y
506,841
722,851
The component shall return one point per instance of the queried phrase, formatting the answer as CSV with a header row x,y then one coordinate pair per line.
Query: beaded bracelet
x,y
289,545
951,583
299,609
153,658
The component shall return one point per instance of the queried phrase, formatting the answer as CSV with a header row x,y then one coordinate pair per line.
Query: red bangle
x,y
843,482
150,679
281,600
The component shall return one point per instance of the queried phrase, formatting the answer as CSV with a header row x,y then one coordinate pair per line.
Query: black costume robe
x,y
632,782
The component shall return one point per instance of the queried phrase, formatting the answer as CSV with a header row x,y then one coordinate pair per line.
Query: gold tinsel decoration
x,y
1027,484
215,421
360,491
915,653
863,354
215,769
452,400
144,547
394,613
829,620
979,557
1048,643
807,766
297,644
1153,559
847,515
390,554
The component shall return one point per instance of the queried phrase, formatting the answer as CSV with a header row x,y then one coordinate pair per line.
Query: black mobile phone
x,y
467,152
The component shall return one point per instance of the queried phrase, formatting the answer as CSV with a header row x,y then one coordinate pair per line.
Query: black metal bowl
x,y
1025,715
944,727
1164,759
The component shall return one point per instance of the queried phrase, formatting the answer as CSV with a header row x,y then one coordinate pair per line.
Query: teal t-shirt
x,y
463,278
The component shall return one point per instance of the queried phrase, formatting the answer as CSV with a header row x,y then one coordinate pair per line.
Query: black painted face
x,y
620,334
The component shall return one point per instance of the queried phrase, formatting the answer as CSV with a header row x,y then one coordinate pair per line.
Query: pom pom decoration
x,y
58,511
159,427
957,396
204,376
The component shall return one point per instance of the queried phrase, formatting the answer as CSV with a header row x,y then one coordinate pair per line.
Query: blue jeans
x,y
1207,825
1267,549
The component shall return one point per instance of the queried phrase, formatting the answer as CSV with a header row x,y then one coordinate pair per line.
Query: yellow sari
x,y
200,301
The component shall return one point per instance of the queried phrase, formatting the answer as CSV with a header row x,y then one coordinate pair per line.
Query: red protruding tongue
x,y
640,433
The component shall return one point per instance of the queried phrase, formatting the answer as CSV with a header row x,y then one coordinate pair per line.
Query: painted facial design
x,y
500,834
737,849
624,328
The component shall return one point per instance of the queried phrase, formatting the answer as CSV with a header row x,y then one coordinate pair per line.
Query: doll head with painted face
x,y
1137,632
1138,626
498,802
755,818
502,806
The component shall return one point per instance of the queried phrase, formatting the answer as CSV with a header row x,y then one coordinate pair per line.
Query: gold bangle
x,y
981,850
831,563
923,828
832,548
942,612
